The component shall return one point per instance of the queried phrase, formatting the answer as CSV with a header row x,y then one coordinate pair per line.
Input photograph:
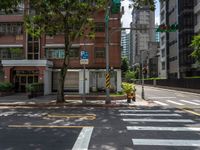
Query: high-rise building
x,y
157,34
143,23
125,44
197,16
28,60
175,50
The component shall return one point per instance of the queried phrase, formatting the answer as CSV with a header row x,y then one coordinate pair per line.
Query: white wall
x,y
86,81
47,81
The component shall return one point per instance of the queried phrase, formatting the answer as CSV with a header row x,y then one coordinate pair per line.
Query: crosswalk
x,y
180,102
146,127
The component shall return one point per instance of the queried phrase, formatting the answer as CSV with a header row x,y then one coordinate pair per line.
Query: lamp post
x,y
142,74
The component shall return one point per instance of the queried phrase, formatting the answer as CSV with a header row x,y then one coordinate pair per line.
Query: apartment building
x,y
175,50
162,65
142,18
28,60
197,16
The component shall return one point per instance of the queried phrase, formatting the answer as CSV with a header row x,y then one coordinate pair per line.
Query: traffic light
x,y
167,28
115,8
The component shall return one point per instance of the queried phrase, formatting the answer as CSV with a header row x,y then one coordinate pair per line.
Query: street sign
x,y
84,58
84,55
84,61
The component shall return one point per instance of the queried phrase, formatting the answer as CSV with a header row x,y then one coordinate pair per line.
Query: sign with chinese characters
x,y
84,58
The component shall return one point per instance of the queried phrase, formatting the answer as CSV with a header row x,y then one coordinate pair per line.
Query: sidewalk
x,y
20,99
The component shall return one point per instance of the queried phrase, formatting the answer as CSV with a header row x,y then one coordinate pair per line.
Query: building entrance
x,y
23,78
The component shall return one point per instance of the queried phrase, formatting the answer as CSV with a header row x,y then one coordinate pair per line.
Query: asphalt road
x,y
138,128
170,98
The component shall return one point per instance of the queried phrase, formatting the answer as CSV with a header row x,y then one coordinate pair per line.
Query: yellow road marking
x,y
44,126
73,116
192,112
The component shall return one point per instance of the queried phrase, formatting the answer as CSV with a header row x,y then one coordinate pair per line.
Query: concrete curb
x,y
78,103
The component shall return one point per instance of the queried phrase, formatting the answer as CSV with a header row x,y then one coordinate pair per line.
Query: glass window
x,y
163,65
99,52
99,27
55,53
74,53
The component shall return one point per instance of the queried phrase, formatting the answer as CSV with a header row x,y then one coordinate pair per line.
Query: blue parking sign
x,y
84,55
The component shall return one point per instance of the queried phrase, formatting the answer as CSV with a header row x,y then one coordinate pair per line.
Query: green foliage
x,y
6,86
140,3
129,75
9,6
128,87
62,16
124,66
16,50
35,87
196,45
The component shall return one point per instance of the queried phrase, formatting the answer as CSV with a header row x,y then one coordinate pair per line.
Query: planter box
x,y
6,93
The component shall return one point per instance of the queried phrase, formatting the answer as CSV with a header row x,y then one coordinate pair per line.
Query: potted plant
x,y
129,89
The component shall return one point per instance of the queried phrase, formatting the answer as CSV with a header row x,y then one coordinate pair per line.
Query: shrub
x,y
35,87
6,86
128,87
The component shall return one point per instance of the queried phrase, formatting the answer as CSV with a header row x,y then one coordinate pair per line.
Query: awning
x,y
9,46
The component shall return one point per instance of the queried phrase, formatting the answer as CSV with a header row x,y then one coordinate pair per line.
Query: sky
x,y
127,18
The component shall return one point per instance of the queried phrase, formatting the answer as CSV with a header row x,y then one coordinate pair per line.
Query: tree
x,y
196,45
139,3
51,17
124,66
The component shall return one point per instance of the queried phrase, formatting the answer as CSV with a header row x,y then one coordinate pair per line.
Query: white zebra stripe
x,y
189,102
173,102
147,128
160,103
159,120
144,110
177,115
166,142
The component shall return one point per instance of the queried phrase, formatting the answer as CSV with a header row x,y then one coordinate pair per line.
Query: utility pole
x,y
113,6
108,101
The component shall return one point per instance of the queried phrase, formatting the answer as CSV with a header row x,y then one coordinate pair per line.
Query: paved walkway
x,y
21,99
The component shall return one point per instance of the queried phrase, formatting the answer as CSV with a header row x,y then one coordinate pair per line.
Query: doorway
x,y
22,80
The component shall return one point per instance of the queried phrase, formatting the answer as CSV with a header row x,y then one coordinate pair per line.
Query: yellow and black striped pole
x,y
107,80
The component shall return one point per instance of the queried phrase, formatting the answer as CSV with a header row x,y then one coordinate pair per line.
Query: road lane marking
x,y
159,120
173,102
166,142
189,102
160,103
190,111
150,128
44,126
196,100
157,97
177,115
144,110
74,116
83,139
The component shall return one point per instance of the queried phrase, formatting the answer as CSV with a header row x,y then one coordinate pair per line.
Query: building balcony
x,y
197,28
197,8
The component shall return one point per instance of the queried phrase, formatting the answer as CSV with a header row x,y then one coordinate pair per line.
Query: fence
x,y
180,83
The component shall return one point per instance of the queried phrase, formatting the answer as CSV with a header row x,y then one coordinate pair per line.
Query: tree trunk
x,y
60,92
